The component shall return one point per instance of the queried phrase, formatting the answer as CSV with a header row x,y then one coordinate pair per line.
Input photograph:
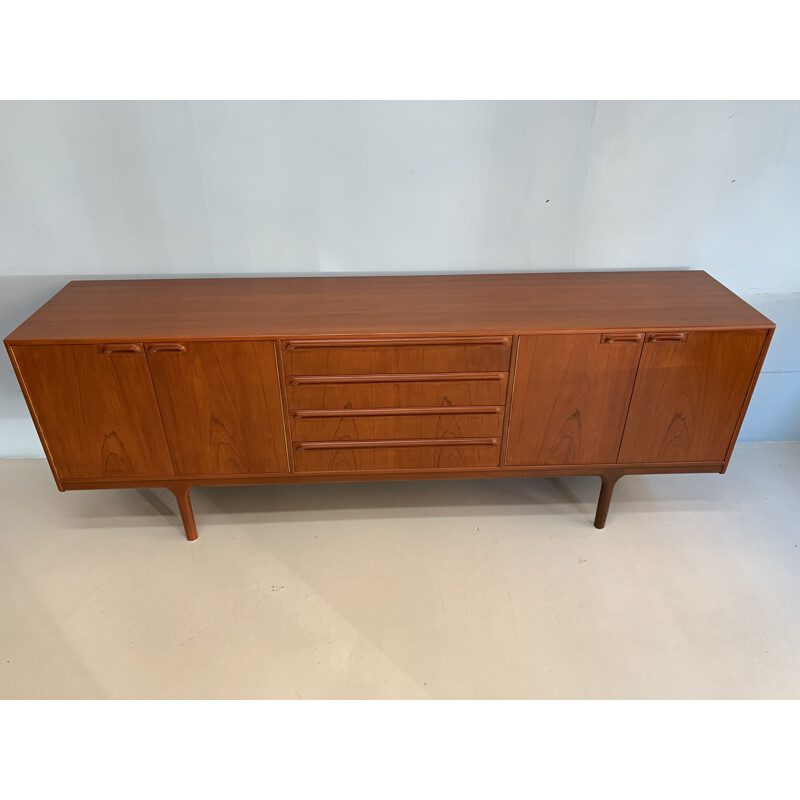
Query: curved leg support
x,y
609,479
185,505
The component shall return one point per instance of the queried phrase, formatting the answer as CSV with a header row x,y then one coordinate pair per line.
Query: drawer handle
x,y
350,443
618,338
114,349
309,344
666,337
171,347
439,411
305,380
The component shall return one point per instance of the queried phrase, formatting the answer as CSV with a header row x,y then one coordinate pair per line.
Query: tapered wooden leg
x,y
609,479
187,515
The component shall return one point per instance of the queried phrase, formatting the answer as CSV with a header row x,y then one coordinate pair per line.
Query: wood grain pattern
x,y
571,395
382,357
96,409
221,406
251,308
748,396
406,394
367,459
402,426
387,378
688,396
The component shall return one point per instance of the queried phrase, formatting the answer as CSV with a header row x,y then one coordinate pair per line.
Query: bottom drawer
x,y
331,457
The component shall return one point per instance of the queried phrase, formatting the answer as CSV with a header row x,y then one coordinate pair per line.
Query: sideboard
x,y
195,382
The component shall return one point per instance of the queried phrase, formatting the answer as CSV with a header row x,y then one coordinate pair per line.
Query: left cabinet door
x,y
95,409
221,406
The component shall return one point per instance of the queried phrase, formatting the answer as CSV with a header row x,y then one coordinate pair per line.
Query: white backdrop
x,y
90,189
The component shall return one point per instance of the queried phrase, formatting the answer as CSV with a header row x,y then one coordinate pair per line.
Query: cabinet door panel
x,y
221,406
571,394
96,409
688,396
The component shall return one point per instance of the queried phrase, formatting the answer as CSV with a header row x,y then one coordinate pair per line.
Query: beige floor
x,y
451,589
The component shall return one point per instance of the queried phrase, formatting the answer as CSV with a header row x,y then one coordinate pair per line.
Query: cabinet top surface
x,y
241,308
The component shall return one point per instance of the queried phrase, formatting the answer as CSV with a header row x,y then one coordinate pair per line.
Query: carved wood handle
x,y
439,411
168,347
421,377
667,337
306,344
114,349
346,444
617,338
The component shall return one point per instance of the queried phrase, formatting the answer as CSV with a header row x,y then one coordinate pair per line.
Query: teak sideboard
x,y
195,382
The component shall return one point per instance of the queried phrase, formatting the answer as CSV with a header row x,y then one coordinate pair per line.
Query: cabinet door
x,y
571,394
221,406
689,392
95,409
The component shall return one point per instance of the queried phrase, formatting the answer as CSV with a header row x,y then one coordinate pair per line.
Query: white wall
x,y
178,188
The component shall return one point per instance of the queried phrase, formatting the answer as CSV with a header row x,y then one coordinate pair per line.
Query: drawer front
x,y
383,457
404,393
366,356
313,428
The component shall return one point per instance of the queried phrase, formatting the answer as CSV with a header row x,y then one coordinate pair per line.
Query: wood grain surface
x,y
96,409
383,357
245,308
405,394
221,406
571,395
688,396
400,426
382,458
278,380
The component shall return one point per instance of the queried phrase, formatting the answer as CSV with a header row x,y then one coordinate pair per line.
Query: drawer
x,y
408,455
364,356
315,426
400,391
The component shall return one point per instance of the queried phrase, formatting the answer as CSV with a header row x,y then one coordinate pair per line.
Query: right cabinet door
x,y
689,392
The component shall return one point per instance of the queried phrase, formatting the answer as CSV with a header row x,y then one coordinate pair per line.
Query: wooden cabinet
x,y
689,393
571,396
221,405
95,409
179,383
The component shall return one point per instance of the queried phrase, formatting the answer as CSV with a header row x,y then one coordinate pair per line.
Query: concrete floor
x,y
445,589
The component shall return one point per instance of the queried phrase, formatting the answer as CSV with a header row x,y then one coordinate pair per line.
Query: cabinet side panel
x,y
32,411
96,411
689,396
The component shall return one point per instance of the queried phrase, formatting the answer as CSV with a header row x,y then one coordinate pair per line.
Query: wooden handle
x,y
617,338
167,347
441,411
667,337
306,380
308,344
345,444
113,349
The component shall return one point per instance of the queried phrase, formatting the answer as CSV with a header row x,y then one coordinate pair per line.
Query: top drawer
x,y
389,356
